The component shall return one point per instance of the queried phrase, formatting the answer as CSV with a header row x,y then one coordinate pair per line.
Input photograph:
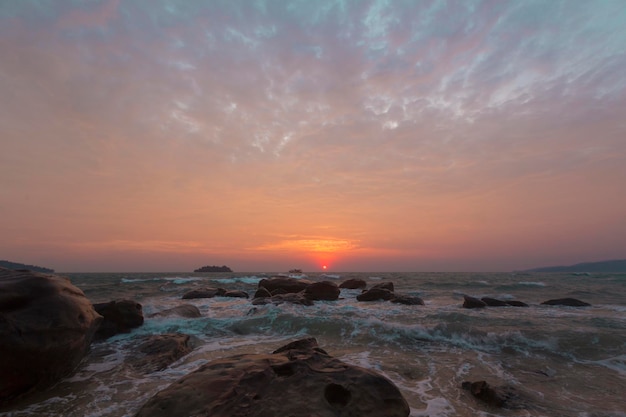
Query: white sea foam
x,y
245,280
532,283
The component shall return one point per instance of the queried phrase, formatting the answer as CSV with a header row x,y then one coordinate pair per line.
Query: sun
x,y
324,267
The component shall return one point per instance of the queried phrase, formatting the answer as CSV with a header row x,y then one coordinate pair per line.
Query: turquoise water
x,y
563,361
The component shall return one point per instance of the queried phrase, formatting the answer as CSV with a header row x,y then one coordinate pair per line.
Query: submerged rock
x,y
46,327
189,311
494,302
120,316
157,352
293,298
570,302
207,292
515,303
296,380
500,397
472,302
411,300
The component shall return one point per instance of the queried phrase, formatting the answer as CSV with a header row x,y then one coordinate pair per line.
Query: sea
x,y
559,361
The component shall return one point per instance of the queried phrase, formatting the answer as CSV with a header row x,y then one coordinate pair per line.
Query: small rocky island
x,y
17,266
213,268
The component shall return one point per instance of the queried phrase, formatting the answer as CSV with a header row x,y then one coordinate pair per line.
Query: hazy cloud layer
x,y
391,134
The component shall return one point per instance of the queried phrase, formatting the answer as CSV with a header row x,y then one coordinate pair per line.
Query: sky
x,y
382,135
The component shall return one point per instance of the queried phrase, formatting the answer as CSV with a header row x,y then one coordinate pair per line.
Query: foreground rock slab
x,y
299,379
46,327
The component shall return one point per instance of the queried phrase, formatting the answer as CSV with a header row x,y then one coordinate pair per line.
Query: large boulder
x,y
499,397
493,302
46,327
284,285
323,290
297,380
409,300
570,302
120,316
353,284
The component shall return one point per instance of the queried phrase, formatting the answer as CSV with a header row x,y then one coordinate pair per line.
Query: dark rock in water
x,y
262,293
207,292
501,397
120,316
385,285
515,303
472,302
571,302
236,294
185,310
296,380
375,294
410,300
323,290
493,302
157,352
353,284
293,298
46,327
286,285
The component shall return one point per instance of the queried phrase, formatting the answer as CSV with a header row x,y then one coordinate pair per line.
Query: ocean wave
x,y
244,280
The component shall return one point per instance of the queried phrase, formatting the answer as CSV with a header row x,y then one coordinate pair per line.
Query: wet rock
x,y
385,285
353,284
262,293
410,300
570,302
157,352
500,397
472,302
185,310
323,290
286,285
236,294
515,303
46,327
207,292
493,302
375,294
120,316
297,380
293,298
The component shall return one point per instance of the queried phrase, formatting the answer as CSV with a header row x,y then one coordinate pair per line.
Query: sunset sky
x,y
383,135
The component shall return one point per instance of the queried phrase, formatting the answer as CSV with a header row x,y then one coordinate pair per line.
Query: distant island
x,y
17,265
618,265
213,268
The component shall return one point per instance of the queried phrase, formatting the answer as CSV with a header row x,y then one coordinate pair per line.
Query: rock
x,y
410,300
120,316
236,294
501,397
375,294
293,298
493,302
157,352
262,293
472,302
353,284
515,303
385,285
46,327
284,284
185,310
297,380
323,290
207,292
571,302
